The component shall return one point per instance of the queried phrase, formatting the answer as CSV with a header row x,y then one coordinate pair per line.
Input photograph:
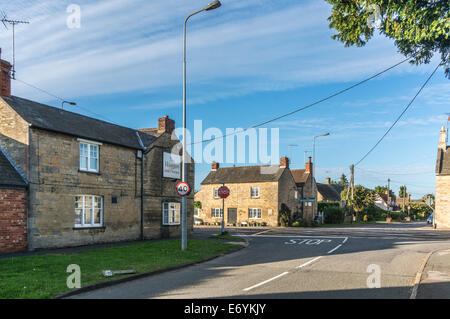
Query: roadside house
x,y
384,201
329,192
256,194
90,181
442,202
303,181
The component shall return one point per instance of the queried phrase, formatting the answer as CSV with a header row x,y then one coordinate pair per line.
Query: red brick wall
x,y
13,220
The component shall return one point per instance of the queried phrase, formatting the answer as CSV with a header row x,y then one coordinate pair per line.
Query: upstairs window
x,y
254,192
89,157
216,192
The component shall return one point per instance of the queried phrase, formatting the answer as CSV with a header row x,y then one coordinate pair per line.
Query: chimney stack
x,y
328,181
5,78
215,166
443,139
308,166
284,162
166,125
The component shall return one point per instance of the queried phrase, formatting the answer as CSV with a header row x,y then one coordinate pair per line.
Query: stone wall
x,y
158,189
14,136
13,220
442,206
55,180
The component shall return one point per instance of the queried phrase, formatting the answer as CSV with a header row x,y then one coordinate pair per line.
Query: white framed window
x,y
196,212
254,192
88,211
254,213
89,157
216,212
216,192
171,213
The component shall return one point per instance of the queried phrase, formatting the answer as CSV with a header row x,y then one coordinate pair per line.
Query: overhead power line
x,y
401,115
309,105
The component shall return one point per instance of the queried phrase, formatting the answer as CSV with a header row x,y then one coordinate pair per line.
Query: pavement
x,y
369,261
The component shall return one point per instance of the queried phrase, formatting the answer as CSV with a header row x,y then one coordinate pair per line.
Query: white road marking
x,y
337,247
345,240
288,236
266,281
309,262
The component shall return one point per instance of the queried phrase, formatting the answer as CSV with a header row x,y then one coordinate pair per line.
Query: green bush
x,y
285,216
375,213
296,224
333,215
324,205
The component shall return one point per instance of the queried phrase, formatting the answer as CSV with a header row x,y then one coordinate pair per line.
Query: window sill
x,y
89,227
89,172
255,197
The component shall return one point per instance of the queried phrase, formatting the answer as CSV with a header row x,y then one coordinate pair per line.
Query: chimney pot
x,y
308,166
166,125
328,181
5,78
215,166
284,162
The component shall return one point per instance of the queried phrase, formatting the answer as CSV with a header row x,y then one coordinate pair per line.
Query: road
x,y
373,261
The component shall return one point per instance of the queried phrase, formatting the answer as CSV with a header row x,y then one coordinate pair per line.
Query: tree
x,y
419,28
383,189
343,182
363,198
403,194
285,215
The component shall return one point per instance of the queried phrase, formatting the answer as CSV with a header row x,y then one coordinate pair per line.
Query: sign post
x,y
224,192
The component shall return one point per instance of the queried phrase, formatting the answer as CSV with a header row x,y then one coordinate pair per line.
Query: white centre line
x,y
337,247
265,282
309,262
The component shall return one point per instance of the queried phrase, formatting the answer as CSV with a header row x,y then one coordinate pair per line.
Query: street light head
x,y
213,5
326,134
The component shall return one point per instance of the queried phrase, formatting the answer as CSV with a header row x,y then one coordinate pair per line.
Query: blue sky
x,y
249,61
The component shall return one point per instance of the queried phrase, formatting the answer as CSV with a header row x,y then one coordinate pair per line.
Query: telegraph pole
x,y
352,183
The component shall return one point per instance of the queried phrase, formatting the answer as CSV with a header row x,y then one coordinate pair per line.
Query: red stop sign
x,y
224,192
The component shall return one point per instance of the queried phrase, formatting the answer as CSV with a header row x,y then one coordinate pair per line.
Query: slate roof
x,y
300,176
443,162
9,176
55,119
330,192
244,174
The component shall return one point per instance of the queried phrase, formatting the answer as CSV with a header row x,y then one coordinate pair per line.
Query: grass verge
x,y
45,276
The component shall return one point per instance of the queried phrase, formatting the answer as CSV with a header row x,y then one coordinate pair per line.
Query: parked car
x,y
430,219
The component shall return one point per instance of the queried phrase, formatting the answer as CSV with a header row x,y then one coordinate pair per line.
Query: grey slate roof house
x,y
89,181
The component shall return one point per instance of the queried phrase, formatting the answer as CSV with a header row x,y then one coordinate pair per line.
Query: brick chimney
x,y
5,78
215,166
443,139
328,181
166,125
284,162
308,166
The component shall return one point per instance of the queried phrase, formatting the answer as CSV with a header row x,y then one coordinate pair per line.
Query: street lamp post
x,y
68,102
312,173
211,6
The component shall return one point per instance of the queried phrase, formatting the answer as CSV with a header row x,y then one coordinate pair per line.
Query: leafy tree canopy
x,y
363,197
382,190
419,28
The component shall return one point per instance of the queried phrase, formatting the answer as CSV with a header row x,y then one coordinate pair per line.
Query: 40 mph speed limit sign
x,y
183,189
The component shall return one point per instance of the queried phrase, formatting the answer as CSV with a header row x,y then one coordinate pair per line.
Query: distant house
x,y
256,194
329,192
384,201
87,181
442,201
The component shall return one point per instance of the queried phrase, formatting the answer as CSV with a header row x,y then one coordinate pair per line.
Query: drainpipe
x,y
142,184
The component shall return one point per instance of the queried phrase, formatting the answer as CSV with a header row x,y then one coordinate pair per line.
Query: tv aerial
x,y
5,20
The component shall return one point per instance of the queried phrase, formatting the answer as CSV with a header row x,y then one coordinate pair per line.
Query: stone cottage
x,y
442,203
256,194
90,181
304,182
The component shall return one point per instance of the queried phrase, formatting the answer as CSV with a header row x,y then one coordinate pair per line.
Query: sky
x,y
248,61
